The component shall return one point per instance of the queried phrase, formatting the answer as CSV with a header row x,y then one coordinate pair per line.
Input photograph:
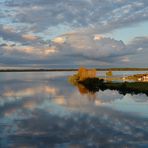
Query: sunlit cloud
x,y
59,40
90,46
30,37
98,37
30,50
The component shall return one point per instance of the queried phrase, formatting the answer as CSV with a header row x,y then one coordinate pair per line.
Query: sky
x,y
73,33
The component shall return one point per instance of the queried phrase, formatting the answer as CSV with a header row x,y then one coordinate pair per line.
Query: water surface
x,y
41,109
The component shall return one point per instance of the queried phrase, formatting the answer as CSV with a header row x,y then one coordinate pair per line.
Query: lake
x,y
43,110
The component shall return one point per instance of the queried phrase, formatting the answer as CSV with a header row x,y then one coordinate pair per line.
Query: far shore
x,y
70,69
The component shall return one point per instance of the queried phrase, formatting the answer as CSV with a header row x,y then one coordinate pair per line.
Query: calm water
x,y
42,110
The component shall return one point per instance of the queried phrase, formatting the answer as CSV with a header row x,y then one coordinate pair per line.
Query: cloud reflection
x,y
56,114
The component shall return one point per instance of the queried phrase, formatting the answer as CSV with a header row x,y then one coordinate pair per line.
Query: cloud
x,y
59,40
34,51
29,37
125,59
75,49
69,31
103,16
90,46
95,48
9,33
139,43
97,37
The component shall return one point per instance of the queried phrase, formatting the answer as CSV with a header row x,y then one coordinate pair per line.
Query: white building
x,y
145,78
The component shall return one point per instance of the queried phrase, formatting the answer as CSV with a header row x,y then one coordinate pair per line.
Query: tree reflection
x,y
84,91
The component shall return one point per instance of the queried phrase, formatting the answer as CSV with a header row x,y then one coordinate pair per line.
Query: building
x,y
143,78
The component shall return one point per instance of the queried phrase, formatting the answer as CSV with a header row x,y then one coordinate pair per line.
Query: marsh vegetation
x,y
96,84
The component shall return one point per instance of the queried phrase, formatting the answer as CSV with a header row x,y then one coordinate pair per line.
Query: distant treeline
x,y
72,69
34,70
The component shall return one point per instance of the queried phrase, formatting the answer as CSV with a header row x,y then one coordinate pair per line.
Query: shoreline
x,y
96,84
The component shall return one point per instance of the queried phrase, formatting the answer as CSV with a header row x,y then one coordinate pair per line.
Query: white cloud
x,y
90,46
98,37
59,40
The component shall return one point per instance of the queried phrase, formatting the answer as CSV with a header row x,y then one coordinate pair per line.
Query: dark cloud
x,y
10,34
3,44
139,43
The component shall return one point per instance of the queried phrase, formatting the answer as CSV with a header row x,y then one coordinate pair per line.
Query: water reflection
x,y
84,91
49,112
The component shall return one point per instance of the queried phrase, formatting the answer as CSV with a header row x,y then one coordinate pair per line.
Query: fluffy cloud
x,y
95,48
77,48
89,46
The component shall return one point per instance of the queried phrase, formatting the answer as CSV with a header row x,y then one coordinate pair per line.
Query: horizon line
x,y
69,69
